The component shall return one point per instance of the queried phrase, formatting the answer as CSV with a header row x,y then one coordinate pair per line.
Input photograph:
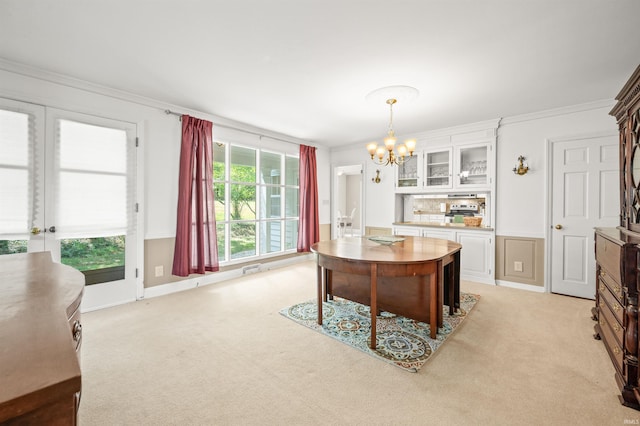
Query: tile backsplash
x,y
433,205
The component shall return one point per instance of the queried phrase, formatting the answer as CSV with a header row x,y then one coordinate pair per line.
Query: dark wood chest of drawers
x,y
616,310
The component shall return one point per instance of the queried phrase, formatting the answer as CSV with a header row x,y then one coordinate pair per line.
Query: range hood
x,y
453,196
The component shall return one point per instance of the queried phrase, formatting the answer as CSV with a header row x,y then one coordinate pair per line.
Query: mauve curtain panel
x,y
309,225
196,249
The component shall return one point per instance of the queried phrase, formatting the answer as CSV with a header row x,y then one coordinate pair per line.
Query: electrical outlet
x,y
159,271
517,266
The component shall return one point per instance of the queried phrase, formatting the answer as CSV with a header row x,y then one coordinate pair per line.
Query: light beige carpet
x,y
223,355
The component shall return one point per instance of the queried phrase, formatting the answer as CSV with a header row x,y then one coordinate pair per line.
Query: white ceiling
x,y
304,67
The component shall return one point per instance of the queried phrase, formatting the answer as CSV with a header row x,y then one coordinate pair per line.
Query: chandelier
x,y
378,153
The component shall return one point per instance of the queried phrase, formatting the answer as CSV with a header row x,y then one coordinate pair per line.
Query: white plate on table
x,y
385,239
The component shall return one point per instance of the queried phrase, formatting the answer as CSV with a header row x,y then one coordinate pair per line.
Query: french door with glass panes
x,y
67,185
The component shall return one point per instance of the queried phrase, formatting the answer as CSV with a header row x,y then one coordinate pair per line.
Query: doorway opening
x,y
347,212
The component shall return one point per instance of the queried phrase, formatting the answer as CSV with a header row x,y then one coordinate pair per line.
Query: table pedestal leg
x,y
433,307
374,303
322,294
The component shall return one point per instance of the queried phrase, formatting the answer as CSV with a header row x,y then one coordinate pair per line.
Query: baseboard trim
x,y
520,286
216,277
475,279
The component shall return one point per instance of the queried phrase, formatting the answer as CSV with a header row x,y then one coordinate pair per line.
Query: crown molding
x,y
485,125
87,86
572,109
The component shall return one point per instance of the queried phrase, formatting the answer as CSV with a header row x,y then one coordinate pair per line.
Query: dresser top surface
x,y
38,356
619,236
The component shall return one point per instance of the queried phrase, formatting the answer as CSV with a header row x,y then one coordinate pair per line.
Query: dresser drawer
x,y
609,299
613,347
608,255
614,286
606,318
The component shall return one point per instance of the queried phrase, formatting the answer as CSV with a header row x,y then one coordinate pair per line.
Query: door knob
x,y
36,231
558,226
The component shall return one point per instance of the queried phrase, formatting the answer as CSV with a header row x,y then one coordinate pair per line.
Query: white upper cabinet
x,y
473,166
460,159
409,175
438,168
458,168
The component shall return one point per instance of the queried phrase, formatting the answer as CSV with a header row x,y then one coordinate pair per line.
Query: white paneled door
x,y
585,195
67,186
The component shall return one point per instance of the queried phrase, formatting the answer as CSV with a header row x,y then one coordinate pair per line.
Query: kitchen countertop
x,y
444,225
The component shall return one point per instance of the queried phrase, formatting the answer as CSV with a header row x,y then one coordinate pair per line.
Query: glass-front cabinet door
x,y
438,168
408,174
473,166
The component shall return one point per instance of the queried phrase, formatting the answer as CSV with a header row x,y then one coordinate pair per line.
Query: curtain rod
x,y
169,112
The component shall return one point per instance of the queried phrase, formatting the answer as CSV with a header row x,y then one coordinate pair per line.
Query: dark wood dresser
x,y
617,253
616,309
40,340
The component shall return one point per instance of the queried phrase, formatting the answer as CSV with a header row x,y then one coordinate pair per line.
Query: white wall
x,y
159,136
379,198
521,200
323,158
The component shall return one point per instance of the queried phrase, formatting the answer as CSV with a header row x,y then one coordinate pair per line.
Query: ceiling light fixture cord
x,y
391,102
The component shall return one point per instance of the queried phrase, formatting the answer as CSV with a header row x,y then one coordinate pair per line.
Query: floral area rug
x,y
400,341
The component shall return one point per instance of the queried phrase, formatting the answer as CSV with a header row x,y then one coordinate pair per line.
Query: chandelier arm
x,y
381,162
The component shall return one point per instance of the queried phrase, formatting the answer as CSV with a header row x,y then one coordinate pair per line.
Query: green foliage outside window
x,y
88,254
13,246
84,254
242,197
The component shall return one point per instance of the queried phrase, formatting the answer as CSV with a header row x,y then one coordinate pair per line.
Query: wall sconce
x,y
521,167
377,178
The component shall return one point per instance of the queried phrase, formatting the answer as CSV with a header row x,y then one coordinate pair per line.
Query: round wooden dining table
x,y
409,276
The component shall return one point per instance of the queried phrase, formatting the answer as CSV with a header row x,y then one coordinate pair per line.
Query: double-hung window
x,y
256,193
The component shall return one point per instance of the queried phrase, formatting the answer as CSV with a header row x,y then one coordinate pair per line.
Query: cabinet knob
x,y
558,226
77,331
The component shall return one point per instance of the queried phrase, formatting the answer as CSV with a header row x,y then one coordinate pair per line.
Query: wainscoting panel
x,y
158,262
520,260
325,231
158,254
373,230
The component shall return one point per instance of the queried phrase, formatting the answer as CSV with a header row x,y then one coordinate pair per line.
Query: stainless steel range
x,y
461,209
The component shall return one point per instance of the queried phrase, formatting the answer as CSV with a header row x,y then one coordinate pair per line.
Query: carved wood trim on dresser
x,y
627,114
